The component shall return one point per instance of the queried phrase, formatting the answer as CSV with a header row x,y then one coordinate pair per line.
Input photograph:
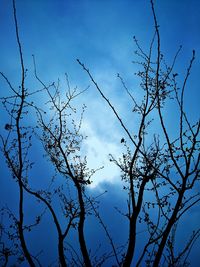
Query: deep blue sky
x,y
99,33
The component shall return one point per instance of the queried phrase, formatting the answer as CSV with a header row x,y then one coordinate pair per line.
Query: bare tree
x,y
172,163
62,142
159,170
16,145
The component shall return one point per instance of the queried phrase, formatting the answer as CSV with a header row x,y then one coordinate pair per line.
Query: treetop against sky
x,y
100,34
104,36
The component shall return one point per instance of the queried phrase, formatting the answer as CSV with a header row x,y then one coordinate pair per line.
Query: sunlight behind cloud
x,y
97,150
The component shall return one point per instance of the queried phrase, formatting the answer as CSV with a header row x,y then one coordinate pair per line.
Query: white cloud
x,y
97,150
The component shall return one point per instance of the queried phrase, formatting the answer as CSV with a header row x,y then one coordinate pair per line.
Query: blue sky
x,y
100,34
